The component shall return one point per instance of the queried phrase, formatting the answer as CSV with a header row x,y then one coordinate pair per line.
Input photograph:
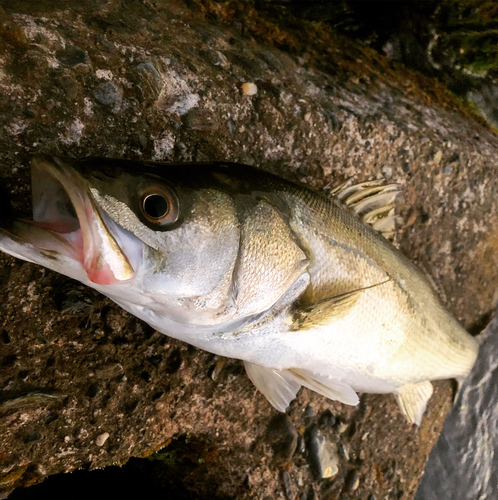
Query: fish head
x,y
135,231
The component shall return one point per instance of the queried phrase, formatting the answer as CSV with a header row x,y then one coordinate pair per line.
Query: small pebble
x,y
71,56
282,437
309,412
286,480
326,419
343,427
322,454
109,95
201,119
249,88
352,481
300,446
343,451
109,371
102,439
218,368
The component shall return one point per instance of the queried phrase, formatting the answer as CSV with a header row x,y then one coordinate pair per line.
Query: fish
x,y
302,287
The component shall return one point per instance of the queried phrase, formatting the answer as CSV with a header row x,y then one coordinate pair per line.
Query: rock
x,y
109,95
352,481
249,88
385,117
109,371
326,419
149,82
462,465
71,56
282,437
201,119
286,481
322,454
101,439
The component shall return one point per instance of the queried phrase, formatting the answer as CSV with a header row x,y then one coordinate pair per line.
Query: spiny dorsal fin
x,y
374,202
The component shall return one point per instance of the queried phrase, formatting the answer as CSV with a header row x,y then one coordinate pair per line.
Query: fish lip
x,y
82,236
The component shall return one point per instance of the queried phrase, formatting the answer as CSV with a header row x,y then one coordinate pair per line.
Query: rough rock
x,y
463,464
325,110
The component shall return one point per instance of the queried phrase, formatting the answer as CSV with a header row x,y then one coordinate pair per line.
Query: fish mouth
x,y
68,227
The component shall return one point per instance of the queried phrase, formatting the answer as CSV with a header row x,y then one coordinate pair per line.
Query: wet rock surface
x,y
85,385
463,463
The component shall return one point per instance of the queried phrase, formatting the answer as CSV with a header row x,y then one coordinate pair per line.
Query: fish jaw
x,y
69,233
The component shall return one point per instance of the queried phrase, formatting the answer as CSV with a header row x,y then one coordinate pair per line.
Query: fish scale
x,y
243,264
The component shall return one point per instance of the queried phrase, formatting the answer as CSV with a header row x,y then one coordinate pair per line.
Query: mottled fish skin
x,y
247,265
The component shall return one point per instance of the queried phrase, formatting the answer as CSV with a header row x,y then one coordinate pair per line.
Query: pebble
x,y
108,371
326,419
92,390
352,481
201,119
342,428
286,480
71,56
218,368
343,451
322,454
308,413
217,58
249,88
300,446
150,82
71,299
174,362
109,95
282,437
102,439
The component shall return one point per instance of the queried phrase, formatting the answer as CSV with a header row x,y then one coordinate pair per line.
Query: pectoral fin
x,y
413,398
322,312
281,386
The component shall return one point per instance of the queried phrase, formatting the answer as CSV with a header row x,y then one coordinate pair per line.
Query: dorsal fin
x,y
374,202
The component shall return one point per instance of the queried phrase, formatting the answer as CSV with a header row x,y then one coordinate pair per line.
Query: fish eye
x,y
160,205
156,206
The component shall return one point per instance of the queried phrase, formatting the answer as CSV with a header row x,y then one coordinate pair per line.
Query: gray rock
x,y
149,82
109,95
282,437
71,56
463,464
322,454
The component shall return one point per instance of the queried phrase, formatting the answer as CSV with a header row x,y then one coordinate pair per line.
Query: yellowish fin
x,y
413,398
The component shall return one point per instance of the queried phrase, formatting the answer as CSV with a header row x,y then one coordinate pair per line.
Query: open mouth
x,y
67,223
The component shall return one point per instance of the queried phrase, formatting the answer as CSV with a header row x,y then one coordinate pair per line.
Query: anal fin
x,y
413,398
281,386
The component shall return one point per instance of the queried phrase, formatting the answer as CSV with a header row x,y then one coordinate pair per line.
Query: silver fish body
x,y
246,265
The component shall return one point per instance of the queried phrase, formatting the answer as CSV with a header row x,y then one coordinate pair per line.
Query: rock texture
x,y
85,385
463,463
